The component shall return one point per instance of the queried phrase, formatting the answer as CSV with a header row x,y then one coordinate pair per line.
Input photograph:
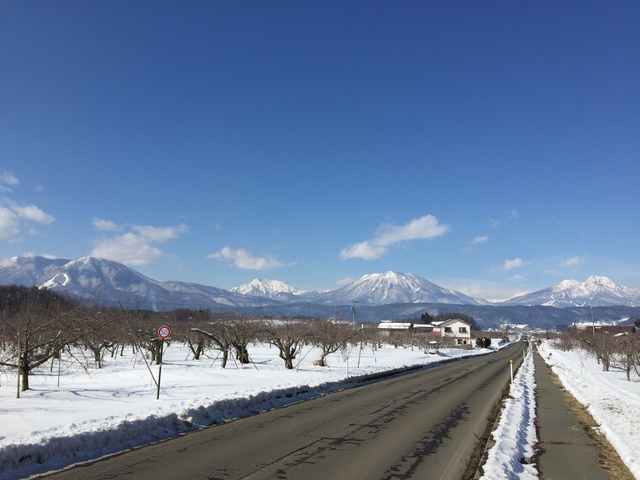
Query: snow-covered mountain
x,y
392,287
27,270
596,291
373,289
270,289
111,282
105,281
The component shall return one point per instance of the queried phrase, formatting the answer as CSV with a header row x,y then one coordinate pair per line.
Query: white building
x,y
453,330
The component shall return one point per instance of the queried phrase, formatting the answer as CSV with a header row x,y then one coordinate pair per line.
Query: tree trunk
x,y
321,362
242,354
97,357
225,357
288,363
23,369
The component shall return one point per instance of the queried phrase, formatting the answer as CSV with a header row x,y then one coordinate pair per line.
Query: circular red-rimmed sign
x,y
164,332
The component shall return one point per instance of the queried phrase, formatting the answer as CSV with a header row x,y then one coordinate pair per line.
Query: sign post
x,y
163,332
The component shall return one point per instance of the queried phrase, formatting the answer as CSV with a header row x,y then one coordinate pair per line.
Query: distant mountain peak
x,y
600,281
267,288
595,291
394,287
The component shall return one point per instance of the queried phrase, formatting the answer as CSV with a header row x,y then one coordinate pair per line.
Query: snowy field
x,y
77,413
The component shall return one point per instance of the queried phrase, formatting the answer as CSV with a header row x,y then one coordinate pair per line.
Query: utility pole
x,y
353,313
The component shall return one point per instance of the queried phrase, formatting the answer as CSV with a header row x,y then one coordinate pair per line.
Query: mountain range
x,y
111,283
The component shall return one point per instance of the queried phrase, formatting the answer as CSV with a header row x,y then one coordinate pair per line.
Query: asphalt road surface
x,y
422,425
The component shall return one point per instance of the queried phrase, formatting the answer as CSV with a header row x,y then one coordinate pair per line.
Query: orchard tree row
x,y
38,325
619,351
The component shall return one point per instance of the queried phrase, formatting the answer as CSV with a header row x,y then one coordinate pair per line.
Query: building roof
x,y
395,325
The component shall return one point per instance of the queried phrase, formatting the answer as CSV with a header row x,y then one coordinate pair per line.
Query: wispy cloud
x,y
15,216
127,248
106,225
488,290
345,281
135,247
9,225
479,240
163,234
242,259
572,261
45,255
425,227
510,215
9,178
514,263
33,213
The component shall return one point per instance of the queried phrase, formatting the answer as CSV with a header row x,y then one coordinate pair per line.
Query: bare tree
x,y
99,331
187,324
242,331
329,336
228,333
288,336
38,324
208,332
600,344
627,353
143,332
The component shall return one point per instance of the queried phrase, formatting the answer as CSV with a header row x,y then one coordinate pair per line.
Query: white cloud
x,y
9,224
572,261
365,250
162,235
487,290
133,248
515,263
106,225
14,215
45,255
510,215
128,248
243,259
345,281
9,178
479,240
425,227
31,212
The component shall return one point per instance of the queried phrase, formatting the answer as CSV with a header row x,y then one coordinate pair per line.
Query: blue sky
x,y
489,147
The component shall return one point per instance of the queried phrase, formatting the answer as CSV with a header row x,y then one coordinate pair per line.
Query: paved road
x,y
419,425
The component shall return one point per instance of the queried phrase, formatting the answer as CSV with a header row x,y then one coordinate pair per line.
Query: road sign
x,y
164,332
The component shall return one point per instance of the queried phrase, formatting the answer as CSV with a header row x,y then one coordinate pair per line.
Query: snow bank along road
x,y
423,424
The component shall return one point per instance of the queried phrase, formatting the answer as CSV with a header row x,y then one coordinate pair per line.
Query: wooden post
x,y
511,365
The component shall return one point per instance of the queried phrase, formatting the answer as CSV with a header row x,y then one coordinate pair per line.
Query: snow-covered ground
x,y
515,434
72,414
85,412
